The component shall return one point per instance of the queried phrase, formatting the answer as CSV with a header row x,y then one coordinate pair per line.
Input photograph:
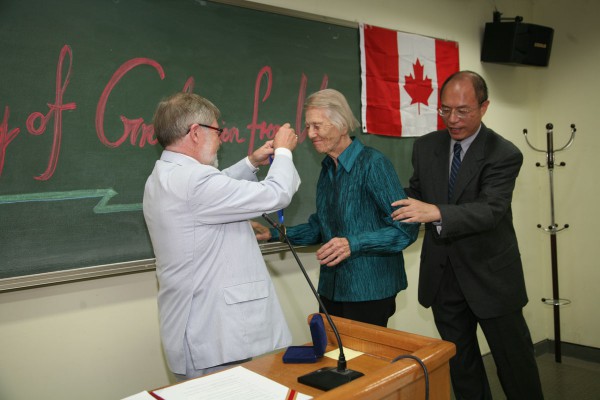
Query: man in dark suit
x,y
471,271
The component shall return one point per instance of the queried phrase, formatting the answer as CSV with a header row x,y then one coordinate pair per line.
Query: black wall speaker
x,y
517,43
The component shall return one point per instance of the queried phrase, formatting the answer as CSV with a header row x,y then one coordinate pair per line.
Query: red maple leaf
x,y
417,87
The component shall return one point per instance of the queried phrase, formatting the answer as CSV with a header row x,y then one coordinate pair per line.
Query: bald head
x,y
478,83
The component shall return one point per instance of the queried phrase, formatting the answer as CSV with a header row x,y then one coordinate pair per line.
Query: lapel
x,y
441,162
470,165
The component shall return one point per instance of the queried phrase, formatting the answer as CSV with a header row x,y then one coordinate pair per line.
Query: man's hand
x,y
285,137
412,210
262,154
262,232
334,252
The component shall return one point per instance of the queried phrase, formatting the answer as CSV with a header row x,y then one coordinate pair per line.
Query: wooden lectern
x,y
403,379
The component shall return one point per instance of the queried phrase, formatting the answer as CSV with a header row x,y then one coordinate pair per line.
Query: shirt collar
x,y
177,158
348,157
465,143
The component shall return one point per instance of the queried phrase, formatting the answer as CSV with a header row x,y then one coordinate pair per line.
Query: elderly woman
x,y
362,267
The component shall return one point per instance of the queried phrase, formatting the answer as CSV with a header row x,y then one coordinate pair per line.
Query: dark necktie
x,y
454,169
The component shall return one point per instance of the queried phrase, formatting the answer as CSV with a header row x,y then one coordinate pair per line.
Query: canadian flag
x,y
401,74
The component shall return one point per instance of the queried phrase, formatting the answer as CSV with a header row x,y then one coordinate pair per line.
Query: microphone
x,y
330,377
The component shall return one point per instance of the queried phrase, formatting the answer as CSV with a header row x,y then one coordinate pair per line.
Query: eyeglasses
x,y
460,112
317,126
219,130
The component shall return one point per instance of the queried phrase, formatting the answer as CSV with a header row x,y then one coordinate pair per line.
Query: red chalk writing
x,y
131,127
6,136
55,110
136,131
265,130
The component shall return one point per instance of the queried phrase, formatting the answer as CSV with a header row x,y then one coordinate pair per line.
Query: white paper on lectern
x,y
140,396
349,354
232,384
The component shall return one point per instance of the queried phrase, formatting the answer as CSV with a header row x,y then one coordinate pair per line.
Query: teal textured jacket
x,y
354,202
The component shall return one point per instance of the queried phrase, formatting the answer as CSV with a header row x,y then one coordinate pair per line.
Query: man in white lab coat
x,y
217,303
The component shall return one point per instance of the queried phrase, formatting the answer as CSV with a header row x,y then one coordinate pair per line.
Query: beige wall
x,y
98,339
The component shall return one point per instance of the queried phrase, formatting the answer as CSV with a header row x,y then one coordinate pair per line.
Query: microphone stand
x,y
329,377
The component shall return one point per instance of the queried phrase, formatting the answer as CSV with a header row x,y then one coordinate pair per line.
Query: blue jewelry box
x,y
309,354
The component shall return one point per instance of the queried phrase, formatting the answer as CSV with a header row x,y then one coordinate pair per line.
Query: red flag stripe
x,y
382,76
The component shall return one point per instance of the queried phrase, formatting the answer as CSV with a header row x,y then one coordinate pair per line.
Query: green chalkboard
x,y
79,82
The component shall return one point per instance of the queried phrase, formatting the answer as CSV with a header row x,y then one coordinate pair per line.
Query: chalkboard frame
x,y
100,271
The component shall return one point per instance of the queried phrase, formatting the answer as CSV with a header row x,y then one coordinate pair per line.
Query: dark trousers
x,y
376,312
509,340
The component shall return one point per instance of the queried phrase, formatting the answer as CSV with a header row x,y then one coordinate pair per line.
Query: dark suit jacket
x,y
477,233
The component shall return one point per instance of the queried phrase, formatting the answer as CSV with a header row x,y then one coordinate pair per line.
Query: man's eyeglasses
x,y
219,130
460,112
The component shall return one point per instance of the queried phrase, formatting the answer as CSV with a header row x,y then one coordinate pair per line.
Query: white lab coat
x,y
214,286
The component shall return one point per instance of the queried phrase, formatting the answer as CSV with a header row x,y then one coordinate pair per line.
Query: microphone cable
x,y
425,372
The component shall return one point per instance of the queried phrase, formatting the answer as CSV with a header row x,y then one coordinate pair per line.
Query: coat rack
x,y
553,229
